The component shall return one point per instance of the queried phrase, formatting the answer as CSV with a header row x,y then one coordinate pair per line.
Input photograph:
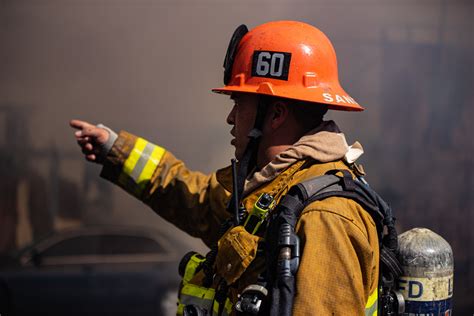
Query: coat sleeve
x,y
192,201
339,264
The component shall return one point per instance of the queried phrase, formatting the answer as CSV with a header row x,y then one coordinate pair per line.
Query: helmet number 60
x,y
271,64
276,60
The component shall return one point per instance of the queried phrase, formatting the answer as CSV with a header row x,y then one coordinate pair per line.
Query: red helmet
x,y
286,59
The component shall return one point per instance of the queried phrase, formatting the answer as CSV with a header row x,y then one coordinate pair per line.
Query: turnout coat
x,y
339,267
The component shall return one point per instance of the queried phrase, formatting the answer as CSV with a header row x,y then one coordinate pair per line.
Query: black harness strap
x,y
284,253
249,158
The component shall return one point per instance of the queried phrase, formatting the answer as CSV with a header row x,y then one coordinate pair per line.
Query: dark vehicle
x,y
93,271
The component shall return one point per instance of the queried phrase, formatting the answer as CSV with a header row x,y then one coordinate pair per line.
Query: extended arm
x,y
194,202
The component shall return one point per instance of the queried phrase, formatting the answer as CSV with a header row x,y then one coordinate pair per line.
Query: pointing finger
x,y
89,131
94,132
78,124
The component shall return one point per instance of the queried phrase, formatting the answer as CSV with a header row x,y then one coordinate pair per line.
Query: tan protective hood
x,y
324,144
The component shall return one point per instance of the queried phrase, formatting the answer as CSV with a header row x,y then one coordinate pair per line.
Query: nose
x,y
231,117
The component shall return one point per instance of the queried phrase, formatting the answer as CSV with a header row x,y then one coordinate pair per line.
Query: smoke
x,y
148,67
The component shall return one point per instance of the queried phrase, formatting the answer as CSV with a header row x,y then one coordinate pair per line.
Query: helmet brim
x,y
335,100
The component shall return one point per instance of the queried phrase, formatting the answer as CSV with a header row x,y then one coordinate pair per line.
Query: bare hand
x,y
90,138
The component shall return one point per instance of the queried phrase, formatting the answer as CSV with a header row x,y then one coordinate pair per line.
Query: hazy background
x,y
148,67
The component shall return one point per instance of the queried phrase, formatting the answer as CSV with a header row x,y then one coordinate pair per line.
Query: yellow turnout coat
x,y
338,272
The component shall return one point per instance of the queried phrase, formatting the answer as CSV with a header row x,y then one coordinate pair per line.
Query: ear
x,y
279,113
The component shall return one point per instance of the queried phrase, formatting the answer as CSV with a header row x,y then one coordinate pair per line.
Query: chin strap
x,y
246,164
249,159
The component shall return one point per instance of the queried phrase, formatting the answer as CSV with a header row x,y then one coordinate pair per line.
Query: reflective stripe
x,y
371,306
198,291
191,267
140,165
180,309
191,300
142,161
150,166
227,310
192,294
134,156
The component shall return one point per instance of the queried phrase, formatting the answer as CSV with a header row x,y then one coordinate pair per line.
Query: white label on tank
x,y
426,289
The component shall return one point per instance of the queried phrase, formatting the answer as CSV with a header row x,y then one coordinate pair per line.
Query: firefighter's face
x,y
242,118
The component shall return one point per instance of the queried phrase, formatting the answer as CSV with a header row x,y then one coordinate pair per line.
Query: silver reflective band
x,y
142,161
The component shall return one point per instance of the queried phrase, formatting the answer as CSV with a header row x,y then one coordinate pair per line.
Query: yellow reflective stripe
x,y
180,309
198,291
372,298
133,157
151,164
191,268
202,297
140,165
371,306
187,300
227,307
192,294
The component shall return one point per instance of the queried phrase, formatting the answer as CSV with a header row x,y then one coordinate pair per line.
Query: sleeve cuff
x,y
110,142
117,155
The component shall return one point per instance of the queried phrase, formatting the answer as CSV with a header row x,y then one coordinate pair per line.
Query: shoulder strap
x,y
329,185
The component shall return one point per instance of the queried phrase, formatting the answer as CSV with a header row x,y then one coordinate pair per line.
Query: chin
x,y
238,155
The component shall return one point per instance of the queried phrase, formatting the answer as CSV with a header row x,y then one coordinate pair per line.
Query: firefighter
x,y
282,77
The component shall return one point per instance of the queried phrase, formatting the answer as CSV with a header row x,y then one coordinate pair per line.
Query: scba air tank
x,y
427,280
